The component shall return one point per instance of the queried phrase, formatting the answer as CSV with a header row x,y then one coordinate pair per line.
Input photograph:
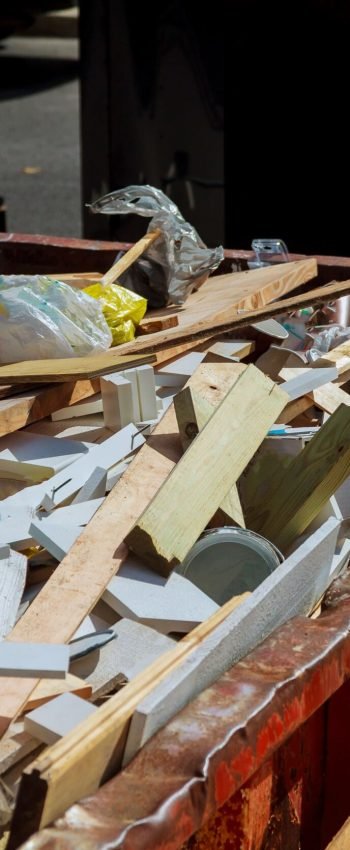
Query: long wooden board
x,y
32,406
70,368
80,579
173,521
195,328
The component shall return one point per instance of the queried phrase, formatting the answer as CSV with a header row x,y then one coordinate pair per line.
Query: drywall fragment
x,y
51,721
34,660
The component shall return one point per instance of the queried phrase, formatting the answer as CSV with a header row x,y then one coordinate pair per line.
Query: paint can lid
x,y
228,561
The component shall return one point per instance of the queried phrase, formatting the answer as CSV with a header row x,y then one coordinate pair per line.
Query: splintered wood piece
x,y
179,512
129,257
152,323
13,569
70,368
31,406
192,413
312,477
91,753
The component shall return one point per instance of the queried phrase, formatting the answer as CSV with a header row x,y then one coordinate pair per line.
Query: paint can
x,y
228,561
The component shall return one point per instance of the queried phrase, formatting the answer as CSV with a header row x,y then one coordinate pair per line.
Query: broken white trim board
x,y
305,382
74,514
147,393
117,398
41,450
179,371
13,571
34,660
60,715
131,375
81,408
292,589
114,474
54,537
66,483
173,605
135,648
94,488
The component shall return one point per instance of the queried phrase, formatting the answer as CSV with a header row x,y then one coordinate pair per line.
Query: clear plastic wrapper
x,y
41,318
168,271
327,339
122,309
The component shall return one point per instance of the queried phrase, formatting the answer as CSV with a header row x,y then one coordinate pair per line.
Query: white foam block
x,y
306,382
56,718
292,589
117,397
185,365
34,660
66,483
147,392
175,605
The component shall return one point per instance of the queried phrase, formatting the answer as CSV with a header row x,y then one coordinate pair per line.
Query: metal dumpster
x,y
260,760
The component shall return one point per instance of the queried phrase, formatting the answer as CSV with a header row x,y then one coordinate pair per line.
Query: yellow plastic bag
x,y
122,309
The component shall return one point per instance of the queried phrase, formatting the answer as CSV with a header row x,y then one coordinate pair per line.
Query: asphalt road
x,y
39,135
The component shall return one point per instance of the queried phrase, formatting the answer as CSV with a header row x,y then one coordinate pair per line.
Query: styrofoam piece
x,y
291,590
13,571
147,392
308,381
41,450
81,408
54,537
175,605
135,648
117,398
94,488
56,718
131,375
66,483
34,660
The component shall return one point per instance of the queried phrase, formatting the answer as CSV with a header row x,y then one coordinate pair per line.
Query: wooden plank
x,y
129,257
172,523
26,408
151,323
79,581
64,369
87,756
192,413
289,591
313,476
13,570
338,356
195,328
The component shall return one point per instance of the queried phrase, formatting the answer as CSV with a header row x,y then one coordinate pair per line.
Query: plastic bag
x,y
327,339
123,310
45,318
167,272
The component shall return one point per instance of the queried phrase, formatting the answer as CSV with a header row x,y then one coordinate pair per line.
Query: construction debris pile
x,y
112,466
